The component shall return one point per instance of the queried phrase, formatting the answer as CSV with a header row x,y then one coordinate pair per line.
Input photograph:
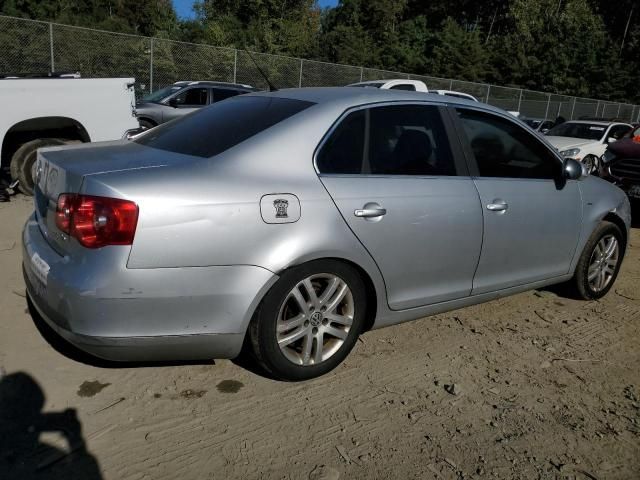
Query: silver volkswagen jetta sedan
x,y
300,218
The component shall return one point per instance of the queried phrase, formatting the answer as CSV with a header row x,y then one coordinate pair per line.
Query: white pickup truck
x,y
41,112
410,85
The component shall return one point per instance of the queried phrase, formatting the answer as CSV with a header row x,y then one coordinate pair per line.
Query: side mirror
x,y
173,102
612,139
574,170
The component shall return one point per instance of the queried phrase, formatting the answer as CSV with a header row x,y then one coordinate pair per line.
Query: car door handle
x,y
498,206
370,212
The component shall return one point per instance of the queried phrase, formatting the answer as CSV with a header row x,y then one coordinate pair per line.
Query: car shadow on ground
x,y
22,454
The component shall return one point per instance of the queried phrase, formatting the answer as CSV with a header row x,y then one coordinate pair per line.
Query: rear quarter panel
x,y
206,212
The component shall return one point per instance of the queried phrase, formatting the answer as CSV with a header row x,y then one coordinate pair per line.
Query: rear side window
x,y
504,149
344,151
404,86
389,140
212,130
220,94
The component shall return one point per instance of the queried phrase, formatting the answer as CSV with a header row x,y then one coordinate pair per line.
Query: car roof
x,y
215,84
596,122
348,97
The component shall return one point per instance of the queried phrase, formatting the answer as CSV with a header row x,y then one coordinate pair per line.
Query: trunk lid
x,y
63,169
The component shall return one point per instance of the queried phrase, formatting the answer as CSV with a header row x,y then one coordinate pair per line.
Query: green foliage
x,y
574,47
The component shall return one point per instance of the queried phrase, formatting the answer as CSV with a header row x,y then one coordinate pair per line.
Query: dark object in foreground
x,y
621,164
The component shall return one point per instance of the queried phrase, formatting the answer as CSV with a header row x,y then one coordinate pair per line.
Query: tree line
x,y
574,47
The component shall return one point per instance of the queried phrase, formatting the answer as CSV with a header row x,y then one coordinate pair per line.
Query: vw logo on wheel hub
x,y
316,319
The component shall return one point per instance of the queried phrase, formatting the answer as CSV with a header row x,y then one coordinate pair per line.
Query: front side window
x,y
504,149
212,130
618,131
192,97
389,140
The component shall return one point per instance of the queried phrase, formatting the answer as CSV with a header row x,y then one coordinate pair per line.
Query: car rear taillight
x,y
97,221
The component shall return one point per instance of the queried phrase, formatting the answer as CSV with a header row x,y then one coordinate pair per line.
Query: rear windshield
x,y
223,125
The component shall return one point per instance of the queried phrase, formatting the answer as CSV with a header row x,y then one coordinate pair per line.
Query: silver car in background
x,y
300,218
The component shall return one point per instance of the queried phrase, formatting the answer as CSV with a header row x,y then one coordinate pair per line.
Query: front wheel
x,y
309,321
592,163
600,262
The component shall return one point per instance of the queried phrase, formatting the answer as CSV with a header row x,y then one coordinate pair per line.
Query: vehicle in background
x,y
293,221
56,110
453,93
539,124
184,97
586,141
397,84
621,163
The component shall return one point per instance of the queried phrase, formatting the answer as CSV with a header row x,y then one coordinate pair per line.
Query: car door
x,y
532,216
405,192
186,101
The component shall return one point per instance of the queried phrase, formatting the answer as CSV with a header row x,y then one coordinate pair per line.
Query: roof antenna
x,y
272,88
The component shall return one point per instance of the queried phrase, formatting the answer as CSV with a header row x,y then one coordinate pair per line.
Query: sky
x,y
185,10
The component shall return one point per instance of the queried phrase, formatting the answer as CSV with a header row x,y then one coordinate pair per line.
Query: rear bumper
x,y
125,314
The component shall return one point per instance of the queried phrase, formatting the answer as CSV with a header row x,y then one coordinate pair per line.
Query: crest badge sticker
x,y
280,208
281,205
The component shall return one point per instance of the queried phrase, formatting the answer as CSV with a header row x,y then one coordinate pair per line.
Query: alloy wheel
x,y
315,318
603,263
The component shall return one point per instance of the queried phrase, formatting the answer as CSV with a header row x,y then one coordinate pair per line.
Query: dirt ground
x,y
535,386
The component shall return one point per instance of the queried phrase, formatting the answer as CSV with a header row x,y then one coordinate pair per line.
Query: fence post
x,y
235,65
598,108
618,114
300,81
53,64
520,101
451,84
546,113
361,73
488,92
151,67
573,108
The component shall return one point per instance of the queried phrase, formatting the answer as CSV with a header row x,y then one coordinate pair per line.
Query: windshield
x,y
587,131
218,127
161,94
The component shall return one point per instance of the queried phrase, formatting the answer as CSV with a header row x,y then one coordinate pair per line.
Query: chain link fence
x,y
30,46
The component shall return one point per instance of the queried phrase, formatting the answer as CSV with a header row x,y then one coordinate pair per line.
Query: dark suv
x,y
184,97
621,163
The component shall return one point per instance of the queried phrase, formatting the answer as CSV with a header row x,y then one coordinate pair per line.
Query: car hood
x,y
565,143
146,106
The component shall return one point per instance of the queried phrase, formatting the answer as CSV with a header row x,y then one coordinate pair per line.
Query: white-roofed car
x,y
453,93
396,84
585,140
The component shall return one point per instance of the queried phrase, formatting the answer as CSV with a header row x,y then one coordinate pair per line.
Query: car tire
x,y
597,264
24,158
146,124
592,163
297,335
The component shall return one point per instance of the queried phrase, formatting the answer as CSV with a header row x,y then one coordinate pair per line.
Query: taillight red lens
x,y
97,221
63,212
